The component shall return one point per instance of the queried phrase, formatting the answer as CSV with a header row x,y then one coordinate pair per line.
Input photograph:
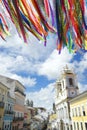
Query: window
x,y
67,128
70,81
86,126
79,111
83,111
8,94
77,126
2,97
14,113
74,126
64,127
10,108
76,111
71,127
8,126
81,126
18,114
13,128
59,87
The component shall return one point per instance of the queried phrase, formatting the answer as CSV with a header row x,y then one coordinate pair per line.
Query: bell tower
x,y
66,86
69,83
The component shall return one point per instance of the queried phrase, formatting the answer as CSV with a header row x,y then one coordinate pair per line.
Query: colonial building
x,y
66,88
3,98
78,108
17,91
8,112
52,124
19,106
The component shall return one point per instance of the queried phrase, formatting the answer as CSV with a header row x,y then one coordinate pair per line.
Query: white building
x,y
66,88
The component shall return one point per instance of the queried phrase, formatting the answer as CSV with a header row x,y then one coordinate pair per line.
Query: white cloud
x,y
43,97
8,64
80,68
53,65
31,54
82,87
27,81
18,57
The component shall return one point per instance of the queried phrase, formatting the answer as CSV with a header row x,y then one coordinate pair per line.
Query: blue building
x,y
8,112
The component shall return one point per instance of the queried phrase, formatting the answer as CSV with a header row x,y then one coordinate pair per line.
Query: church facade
x,y
66,88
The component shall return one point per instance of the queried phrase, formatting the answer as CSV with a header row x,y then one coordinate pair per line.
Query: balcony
x,y
1,104
9,112
18,118
21,118
19,91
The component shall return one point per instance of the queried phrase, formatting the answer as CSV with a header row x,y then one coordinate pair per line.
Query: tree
x,y
27,102
31,103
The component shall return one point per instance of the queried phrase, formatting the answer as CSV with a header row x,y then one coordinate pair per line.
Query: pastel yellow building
x,y
52,121
3,98
78,108
53,117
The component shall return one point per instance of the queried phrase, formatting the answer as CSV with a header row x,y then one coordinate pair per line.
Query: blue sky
x,y
38,67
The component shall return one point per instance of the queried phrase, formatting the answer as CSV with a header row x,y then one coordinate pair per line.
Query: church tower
x,y
69,81
66,86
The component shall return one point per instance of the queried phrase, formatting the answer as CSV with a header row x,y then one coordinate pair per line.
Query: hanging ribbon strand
x,y
3,27
67,16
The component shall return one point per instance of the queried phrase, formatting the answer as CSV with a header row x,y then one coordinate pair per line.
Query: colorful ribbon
x,y
71,23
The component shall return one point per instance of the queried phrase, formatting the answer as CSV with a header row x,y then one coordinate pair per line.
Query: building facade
x,y
52,124
17,91
3,98
78,108
8,112
19,106
66,88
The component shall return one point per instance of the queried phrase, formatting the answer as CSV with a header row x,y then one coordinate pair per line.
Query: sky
x,y
38,67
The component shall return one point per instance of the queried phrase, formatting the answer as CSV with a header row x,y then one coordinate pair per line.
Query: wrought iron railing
x,y
1,104
9,112
17,90
18,118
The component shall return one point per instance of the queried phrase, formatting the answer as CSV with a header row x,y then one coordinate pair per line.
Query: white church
x,y
66,88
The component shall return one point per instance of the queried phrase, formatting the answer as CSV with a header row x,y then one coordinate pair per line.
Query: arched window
x,y
77,125
86,126
70,81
